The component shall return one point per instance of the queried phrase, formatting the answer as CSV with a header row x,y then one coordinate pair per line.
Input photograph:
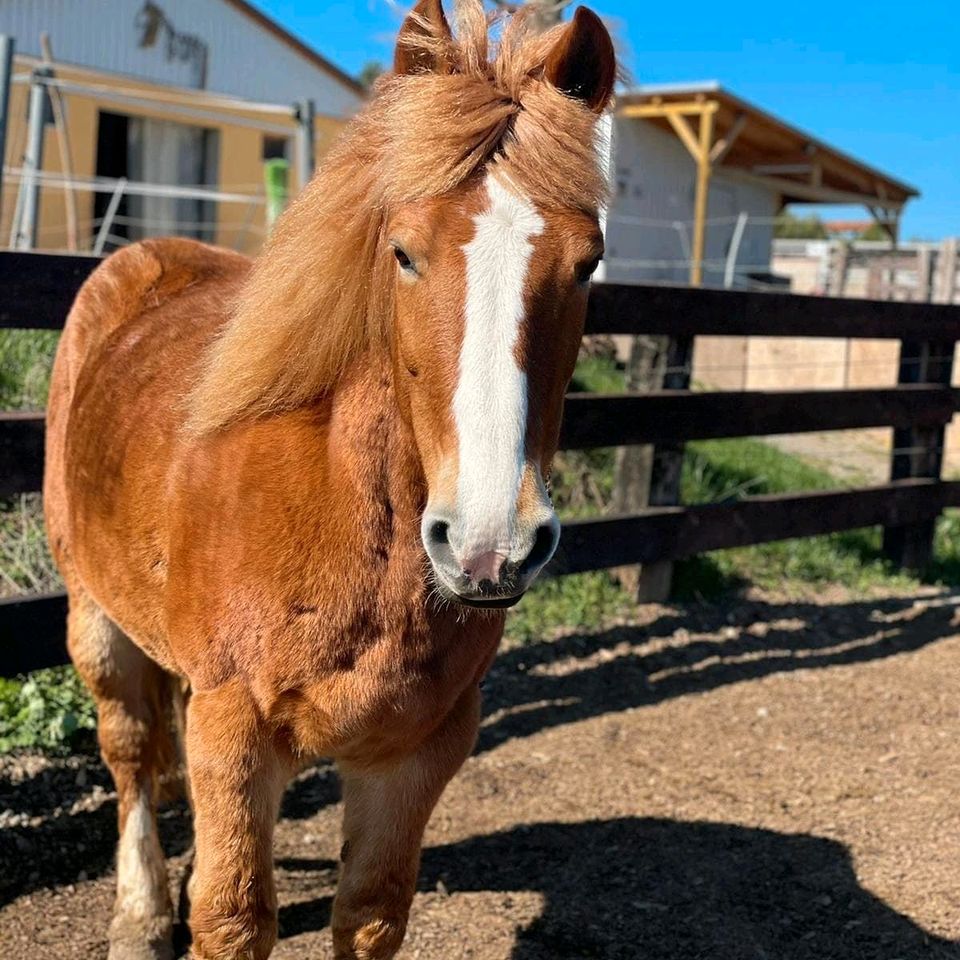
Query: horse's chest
x,y
389,700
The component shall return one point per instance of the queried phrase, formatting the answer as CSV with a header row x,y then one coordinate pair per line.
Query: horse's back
x,y
130,346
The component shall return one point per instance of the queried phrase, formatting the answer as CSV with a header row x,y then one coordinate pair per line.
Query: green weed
x,y
50,710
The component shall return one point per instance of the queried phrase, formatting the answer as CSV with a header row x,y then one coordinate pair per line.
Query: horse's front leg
x,y
237,778
385,813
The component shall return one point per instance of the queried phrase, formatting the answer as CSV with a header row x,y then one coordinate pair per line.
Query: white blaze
x,y
490,403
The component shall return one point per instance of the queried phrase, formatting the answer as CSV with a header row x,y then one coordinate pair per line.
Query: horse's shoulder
x,y
147,274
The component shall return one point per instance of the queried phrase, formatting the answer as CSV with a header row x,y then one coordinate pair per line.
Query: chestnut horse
x,y
296,494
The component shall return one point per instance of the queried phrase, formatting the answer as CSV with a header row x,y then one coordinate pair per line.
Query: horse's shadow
x,y
649,889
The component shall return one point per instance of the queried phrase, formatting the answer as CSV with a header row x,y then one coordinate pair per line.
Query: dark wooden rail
x,y
21,452
696,312
673,533
670,415
36,291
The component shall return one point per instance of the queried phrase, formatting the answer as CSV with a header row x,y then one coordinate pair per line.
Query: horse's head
x,y
454,229
492,279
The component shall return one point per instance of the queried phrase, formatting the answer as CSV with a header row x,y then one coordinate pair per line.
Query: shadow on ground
x,y
691,650
73,846
630,888
710,647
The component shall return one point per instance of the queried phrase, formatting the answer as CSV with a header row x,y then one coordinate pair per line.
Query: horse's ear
x,y
415,53
583,64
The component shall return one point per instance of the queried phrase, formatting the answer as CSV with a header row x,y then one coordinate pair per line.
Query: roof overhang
x,y
754,145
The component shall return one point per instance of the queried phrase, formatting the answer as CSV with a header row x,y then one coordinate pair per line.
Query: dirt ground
x,y
763,780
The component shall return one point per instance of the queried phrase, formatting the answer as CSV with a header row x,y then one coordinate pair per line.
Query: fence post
x,y
650,476
33,162
837,276
6,74
945,283
918,450
924,274
306,144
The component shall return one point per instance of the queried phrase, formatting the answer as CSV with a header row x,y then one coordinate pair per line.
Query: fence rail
x,y
36,291
675,533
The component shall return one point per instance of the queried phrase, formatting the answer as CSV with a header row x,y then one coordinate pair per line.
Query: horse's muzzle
x,y
492,578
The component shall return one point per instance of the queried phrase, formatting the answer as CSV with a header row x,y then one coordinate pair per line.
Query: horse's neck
x,y
368,432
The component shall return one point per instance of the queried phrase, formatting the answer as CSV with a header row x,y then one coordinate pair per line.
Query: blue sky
x,y
879,80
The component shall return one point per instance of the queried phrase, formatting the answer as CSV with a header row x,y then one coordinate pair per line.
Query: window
x,y
157,153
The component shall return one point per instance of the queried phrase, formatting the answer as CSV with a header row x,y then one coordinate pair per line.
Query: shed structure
x,y
693,160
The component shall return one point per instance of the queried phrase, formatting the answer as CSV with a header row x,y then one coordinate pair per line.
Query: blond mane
x,y
321,289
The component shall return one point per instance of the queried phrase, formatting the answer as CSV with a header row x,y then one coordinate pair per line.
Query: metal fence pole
x,y
33,162
6,72
306,153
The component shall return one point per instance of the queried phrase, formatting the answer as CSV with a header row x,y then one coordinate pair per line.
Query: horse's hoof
x,y
140,940
140,950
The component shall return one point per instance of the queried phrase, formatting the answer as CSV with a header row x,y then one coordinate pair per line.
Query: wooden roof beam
x,y
802,192
723,146
784,169
685,132
654,111
888,220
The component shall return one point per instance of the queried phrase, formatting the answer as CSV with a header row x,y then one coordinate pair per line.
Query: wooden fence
x,y
36,291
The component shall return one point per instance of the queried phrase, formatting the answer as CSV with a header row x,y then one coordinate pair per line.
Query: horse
x,y
292,498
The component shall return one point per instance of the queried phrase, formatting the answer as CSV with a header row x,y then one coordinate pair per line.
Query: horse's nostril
x,y
439,532
543,546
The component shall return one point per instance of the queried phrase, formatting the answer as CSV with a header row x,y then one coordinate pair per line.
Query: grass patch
x,y
25,562
719,470
597,374
581,601
583,480
26,360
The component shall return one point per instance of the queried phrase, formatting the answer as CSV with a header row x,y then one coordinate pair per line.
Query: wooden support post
x,y
837,277
924,275
700,146
648,475
918,450
6,75
945,286
704,168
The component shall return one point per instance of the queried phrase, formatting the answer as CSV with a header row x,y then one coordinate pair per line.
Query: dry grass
x,y
25,562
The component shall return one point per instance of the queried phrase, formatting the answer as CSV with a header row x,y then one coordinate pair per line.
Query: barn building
x,y
195,95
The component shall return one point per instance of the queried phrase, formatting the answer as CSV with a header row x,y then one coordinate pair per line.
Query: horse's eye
x,y
405,262
585,272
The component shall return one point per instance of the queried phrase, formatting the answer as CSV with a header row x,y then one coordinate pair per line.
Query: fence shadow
x,y
526,694
632,888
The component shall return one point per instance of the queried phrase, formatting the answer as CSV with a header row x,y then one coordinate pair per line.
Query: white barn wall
x,y
654,179
243,58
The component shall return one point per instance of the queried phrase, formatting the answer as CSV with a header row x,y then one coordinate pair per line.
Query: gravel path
x,y
761,781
